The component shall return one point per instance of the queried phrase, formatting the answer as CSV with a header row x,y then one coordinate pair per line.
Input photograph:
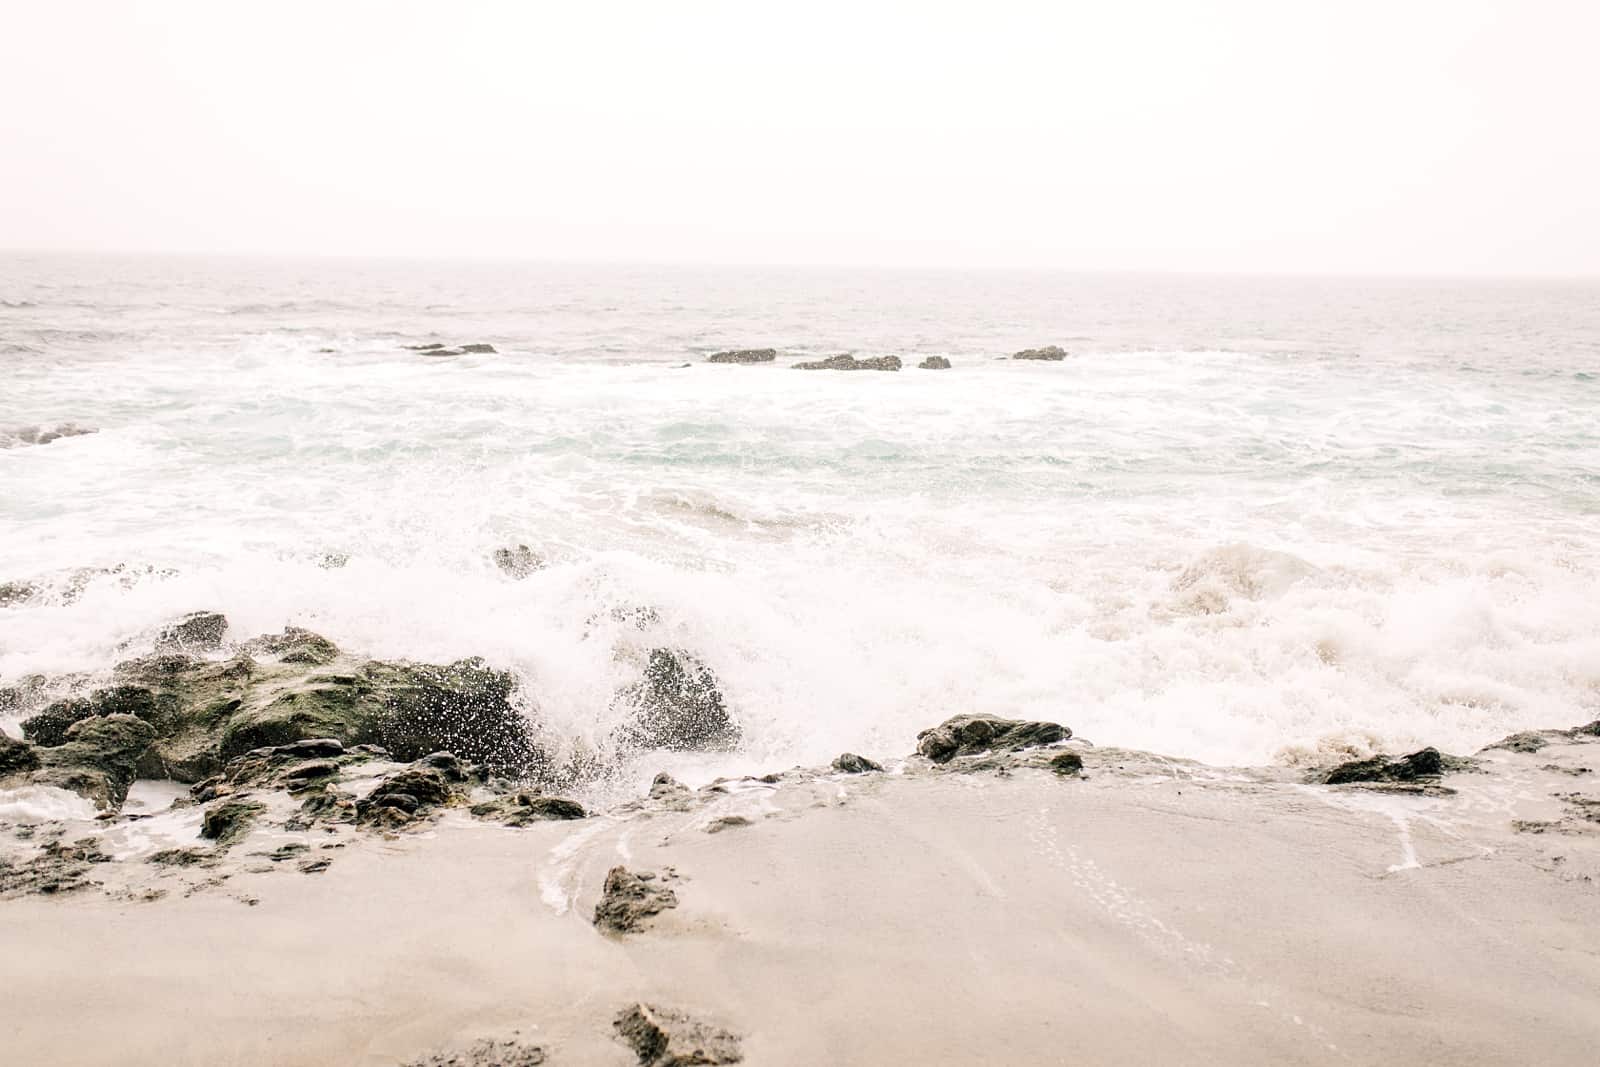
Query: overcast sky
x,y
1230,135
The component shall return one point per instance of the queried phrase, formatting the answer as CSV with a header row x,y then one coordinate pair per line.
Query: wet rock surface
x,y
1424,765
441,349
628,900
934,363
678,705
523,808
890,363
98,758
744,355
967,735
201,631
1049,353
662,1037
228,821
850,763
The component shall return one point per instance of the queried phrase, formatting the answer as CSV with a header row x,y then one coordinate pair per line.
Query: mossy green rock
x,y
98,760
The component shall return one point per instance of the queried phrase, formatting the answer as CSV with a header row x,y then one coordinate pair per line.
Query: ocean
x,y
1245,520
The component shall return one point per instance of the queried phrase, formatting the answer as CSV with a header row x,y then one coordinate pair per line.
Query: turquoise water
x,y
1243,519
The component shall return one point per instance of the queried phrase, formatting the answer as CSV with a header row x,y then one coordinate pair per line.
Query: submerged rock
x,y
934,363
14,593
1051,353
850,763
201,631
744,355
966,735
851,363
43,435
664,1038
628,900
678,705
294,645
518,561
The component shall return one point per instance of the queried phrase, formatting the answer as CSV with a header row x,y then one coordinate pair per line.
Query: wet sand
x,y
990,911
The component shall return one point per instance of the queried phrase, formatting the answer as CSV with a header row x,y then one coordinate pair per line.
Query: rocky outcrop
x,y
228,821
664,1038
1534,740
851,363
744,355
437,349
966,735
16,756
678,705
850,763
629,900
934,363
523,808
98,758
293,645
1050,353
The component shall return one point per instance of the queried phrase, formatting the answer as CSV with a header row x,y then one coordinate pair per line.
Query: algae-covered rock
x,y
1050,353
628,900
99,759
678,705
294,645
464,707
965,735
16,756
227,821
342,708
661,1037
49,726
934,363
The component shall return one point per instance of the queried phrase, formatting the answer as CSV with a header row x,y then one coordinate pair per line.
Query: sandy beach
x,y
985,910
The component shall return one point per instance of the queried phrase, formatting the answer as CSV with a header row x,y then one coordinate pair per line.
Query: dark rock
x,y
227,821
294,645
1424,763
423,348
665,787
347,712
664,1038
678,706
311,770
446,764
850,763
16,756
423,785
851,363
99,759
311,748
934,363
518,561
628,900
1527,741
727,822
966,735
1053,353
1067,763
744,355
179,857
524,808
50,725
465,708
201,631
508,1053
478,349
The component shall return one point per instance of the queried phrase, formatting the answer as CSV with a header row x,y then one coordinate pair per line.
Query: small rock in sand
x,y
629,899
664,1038
1067,763
966,735
507,1053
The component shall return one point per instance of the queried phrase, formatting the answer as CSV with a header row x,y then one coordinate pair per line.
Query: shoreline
x,y
984,909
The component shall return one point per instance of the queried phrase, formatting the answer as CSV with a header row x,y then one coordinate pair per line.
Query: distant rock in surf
x,y
1050,353
851,363
1421,766
518,561
15,593
42,435
436,349
934,363
677,705
744,355
201,631
967,735
850,763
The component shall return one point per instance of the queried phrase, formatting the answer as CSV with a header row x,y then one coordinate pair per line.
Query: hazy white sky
x,y
1401,136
